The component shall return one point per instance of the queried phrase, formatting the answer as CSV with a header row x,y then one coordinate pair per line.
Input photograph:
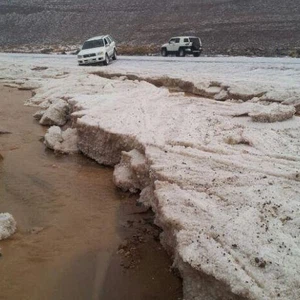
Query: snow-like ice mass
x,y
61,141
221,176
8,225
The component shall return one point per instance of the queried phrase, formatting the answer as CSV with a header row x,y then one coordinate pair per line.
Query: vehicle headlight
x,y
79,56
99,53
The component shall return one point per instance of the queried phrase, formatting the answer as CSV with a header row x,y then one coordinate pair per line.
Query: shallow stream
x,y
71,219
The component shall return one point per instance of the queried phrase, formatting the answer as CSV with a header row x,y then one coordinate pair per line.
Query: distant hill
x,y
225,26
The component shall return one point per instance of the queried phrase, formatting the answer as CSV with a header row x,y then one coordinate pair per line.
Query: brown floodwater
x,y
71,220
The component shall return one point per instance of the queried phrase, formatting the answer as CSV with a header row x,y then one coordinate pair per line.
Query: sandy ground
x,y
78,237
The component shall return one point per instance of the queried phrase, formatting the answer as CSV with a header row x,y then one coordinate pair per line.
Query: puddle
x,y
71,219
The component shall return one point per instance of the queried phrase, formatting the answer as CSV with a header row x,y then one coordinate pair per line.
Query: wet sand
x,y
71,222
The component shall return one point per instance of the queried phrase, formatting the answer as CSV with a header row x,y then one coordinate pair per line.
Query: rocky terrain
x,y
234,27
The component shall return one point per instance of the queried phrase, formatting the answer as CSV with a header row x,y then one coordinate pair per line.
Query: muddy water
x,y
70,222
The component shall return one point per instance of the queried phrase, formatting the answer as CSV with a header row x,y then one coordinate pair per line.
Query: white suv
x,y
182,45
98,49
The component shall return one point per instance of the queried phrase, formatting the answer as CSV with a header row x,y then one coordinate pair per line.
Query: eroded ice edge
x,y
221,176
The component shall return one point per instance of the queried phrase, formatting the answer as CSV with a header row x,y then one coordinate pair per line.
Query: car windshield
x,y
93,44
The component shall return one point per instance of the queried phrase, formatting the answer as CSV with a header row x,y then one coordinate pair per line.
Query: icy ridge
x,y
226,198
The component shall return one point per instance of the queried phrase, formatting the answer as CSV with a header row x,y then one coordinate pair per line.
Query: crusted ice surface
x,y
225,189
222,78
8,225
229,196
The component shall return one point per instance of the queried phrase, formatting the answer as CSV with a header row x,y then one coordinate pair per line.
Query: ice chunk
x,y
61,141
8,225
246,92
294,102
56,114
131,173
221,96
53,137
272,113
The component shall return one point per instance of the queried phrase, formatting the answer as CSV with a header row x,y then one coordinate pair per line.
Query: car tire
x,y
106,61
114,56
196,54
164,52
181,52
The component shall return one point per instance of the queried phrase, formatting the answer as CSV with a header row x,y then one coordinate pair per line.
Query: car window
x,y
92,44
172,40
105,42
109,39
177,40
186,40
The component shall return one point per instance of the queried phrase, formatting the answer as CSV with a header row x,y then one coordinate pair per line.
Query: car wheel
x,y
181,52
106,62
114,56
196,54
164,52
